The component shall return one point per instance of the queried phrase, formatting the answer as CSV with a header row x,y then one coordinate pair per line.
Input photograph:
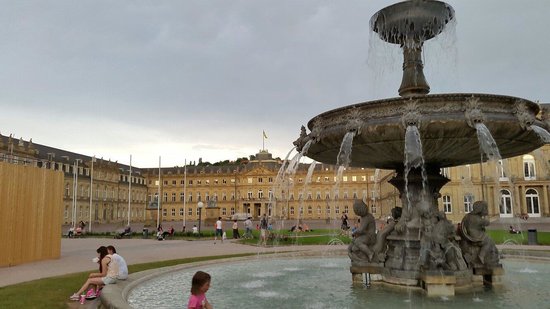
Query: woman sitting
x,y
108,271
513,230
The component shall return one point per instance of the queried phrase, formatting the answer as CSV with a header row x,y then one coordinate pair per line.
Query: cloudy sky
x,y
203,79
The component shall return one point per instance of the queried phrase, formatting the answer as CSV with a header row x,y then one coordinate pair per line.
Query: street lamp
x,y
200,205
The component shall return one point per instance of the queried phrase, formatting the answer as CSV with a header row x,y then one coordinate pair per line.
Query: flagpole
x,y
91,195
184,193
130,191
158,199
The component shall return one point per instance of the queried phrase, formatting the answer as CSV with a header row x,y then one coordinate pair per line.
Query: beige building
x,y
254,187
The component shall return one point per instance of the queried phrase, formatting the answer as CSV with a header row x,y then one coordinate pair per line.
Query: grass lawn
x,y
54,292
504,237
287,238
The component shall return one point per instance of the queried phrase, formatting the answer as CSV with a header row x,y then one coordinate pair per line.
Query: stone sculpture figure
x,y
361,248
439,249
368,246
478,248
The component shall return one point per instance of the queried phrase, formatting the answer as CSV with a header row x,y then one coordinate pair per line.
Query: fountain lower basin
x,y
445,121
323,282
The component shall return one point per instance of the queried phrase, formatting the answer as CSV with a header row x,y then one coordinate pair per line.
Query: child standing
x,y
199,286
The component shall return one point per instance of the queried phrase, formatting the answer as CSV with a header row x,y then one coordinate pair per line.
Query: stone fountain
x,y
421,247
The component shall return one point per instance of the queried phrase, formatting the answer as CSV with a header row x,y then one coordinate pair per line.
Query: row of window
x,y
529,170
292,210
84,191
250,180
259,195
83,212
505,206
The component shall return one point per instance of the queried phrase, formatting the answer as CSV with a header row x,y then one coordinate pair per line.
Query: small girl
x,y
199,286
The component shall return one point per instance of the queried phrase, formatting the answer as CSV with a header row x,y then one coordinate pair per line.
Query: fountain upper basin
x,y
446,123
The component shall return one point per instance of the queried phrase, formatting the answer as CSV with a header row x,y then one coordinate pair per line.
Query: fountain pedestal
x,y
438,283
491,275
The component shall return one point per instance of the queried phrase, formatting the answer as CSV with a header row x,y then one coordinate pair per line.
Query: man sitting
x,y
127,232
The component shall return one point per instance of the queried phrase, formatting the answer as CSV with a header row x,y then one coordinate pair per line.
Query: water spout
x,y
542,133
487,143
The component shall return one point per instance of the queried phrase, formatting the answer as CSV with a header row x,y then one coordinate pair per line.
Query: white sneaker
x,y
75,297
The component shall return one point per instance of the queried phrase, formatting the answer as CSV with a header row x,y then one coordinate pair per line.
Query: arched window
x,y
532,202
309,210
505,203
292,210
529,167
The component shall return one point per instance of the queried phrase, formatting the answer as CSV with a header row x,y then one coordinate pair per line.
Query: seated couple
x,y
112,267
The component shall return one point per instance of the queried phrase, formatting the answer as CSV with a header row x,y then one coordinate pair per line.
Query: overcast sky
x,y
203,79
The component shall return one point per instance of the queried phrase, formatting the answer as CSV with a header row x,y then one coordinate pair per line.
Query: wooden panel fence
x,y
31,205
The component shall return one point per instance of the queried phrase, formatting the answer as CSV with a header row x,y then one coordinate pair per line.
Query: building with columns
x,y
97,190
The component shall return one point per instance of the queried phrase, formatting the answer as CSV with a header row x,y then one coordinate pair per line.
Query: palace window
x,y
447,206
532,199
468,202
529,167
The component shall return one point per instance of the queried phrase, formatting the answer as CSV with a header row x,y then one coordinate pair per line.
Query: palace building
x,y
103,191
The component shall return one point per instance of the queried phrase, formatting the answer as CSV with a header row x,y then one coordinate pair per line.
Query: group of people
x,y
162,234
264,227
112,267
76,231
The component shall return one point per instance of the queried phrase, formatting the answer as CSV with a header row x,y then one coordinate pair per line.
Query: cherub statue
x,y
360,249
478,248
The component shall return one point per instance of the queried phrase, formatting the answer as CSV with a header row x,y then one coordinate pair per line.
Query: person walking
x,y
248,228
219,230
236,230
263,229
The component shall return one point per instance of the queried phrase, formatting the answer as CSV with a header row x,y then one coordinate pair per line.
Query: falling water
x,y
344,156
413,159
285,175
343,160
279,182
283,166
294,163
487,143
488,148
304,190
542,133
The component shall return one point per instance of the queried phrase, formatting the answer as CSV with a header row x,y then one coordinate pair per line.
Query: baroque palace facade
x,y
251,188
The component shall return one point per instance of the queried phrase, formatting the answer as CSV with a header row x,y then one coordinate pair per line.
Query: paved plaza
x,y
77,254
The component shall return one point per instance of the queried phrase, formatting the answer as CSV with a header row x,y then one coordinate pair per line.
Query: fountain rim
x,y
116,295
459,95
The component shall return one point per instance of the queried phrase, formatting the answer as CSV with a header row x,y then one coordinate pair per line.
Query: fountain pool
x,y
323,282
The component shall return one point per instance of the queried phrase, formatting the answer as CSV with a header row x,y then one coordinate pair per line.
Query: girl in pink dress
x,y
199,286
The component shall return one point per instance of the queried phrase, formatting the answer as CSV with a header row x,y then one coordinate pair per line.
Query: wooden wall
x,y
31,205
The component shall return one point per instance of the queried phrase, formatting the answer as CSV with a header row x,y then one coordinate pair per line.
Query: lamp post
x,y
75,189
200,205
